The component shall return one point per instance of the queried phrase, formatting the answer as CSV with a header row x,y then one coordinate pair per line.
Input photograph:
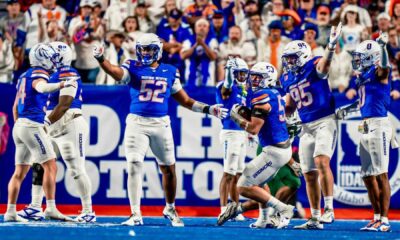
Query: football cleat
x,y
54,214
384,227
14,218
240,218
370,226
285,217
328,216
134,220
171,214
229,213
311,224
31,213
259,224
86,217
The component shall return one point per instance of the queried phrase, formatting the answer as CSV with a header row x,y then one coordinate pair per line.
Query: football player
x,y
267,120
308,91
148,125
68,131
29,135
371,63
233,90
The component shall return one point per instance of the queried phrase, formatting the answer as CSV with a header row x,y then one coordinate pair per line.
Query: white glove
x,y
231,63
98,52
334,36
382,39
218,111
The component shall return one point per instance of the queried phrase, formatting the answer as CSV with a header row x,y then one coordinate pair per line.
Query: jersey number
x,y
21,94
148,93
300,96
281,102
361,94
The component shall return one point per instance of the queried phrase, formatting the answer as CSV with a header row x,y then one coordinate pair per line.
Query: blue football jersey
x,y
150,88
237,96
311,94
374,96
274,129
62,73
31,104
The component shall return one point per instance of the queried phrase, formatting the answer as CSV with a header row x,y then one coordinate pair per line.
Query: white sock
x,y
271,211
37,196
328,201
84,187
50,204
135,185
385,220
377,216
275,203
223,209
316,213
263,214
170,205
11,209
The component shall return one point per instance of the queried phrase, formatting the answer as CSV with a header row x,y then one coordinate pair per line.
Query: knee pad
x,y
37,174
134,157
135,168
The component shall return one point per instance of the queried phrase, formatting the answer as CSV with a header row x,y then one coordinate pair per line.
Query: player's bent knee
x,y
244,181
37,174
67,151
134,157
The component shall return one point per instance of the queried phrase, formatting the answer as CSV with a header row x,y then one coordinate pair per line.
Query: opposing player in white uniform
x,y
267,120
68,131
31,141
148,125
308,91
233,90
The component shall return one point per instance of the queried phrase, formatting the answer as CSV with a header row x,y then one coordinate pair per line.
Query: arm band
x,y
384,58
44,87
259,113
228,82
200,107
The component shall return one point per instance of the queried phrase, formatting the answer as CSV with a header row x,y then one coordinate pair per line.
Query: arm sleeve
x,y
126,78
69,91
176,86
44,87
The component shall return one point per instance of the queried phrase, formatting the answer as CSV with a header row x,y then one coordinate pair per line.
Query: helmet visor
x,y
291,62
241,75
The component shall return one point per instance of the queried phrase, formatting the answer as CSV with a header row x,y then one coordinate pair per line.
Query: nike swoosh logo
x,y
164,70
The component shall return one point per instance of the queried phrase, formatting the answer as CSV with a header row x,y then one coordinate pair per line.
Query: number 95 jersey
x,y
150,88
311,94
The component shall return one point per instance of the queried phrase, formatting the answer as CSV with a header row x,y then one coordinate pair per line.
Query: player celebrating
x,y
308,90
28,133
229,92
268,121
371,61
151,84
68,130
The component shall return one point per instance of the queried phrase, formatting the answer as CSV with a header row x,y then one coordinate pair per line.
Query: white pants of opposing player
x,y
32,144
70,143
319,138
264,167
374,147
234,142
140,134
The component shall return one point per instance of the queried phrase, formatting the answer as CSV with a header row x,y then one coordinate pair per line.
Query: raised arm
x,y
384,65
325,62
113,70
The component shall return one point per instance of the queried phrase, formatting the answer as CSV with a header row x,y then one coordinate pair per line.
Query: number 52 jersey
x,y
150,87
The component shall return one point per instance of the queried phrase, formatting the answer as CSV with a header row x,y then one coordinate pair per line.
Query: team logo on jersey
x,y
349,187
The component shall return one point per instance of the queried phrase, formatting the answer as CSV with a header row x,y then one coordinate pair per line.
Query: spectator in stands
x,y
243,15
393,47
256,29
270,10
364,18
219,27
115,53
14,18
291,22
383,21
394,9
145,24
199,9
97,8
340,71
50,31
353,32
324,26
115,14
168,7
131,29
6,59
307,10
200,53
270,48
310,36
233,47
227,7
86,31
173,34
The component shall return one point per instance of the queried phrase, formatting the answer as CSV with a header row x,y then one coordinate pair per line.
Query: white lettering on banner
x,y
152,187
92,171
117,171
200,180
192,133
60,171
182,168
108,129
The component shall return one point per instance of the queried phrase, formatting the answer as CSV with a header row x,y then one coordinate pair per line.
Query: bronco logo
x,y
349,187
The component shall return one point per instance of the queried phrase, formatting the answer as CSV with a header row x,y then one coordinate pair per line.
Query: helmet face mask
x,y
366,55
42,55
256,80
241,76
263,75
291,62
295,55
149,48
63,54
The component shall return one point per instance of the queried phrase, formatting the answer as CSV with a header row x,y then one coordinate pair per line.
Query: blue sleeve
x,y
260,97
352,84
21,37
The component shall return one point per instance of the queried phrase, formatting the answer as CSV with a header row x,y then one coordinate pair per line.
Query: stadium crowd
x,y
198,35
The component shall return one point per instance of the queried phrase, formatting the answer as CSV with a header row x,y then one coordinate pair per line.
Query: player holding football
x,y
151,84
371,63
268,121
29,135
308,91
233,90
68,131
